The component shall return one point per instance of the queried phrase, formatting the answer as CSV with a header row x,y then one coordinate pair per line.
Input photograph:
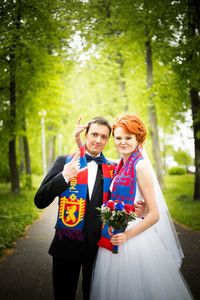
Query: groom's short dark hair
x,y
99,121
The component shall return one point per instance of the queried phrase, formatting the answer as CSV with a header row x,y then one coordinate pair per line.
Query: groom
x,y
81,184
75,245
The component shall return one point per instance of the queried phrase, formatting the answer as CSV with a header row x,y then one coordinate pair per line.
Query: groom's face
x,y
96,138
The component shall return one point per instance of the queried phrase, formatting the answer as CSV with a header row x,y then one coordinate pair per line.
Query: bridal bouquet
x,y
116,214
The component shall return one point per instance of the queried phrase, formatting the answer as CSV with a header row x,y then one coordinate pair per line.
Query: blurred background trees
x,y
97,57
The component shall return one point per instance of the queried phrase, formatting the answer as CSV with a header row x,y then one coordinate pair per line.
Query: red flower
x,y
128,208
110,204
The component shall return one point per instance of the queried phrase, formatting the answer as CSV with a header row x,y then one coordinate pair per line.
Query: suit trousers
x,y
66,275
71,256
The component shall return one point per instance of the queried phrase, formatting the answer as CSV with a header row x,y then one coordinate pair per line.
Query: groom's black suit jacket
x,y
52,186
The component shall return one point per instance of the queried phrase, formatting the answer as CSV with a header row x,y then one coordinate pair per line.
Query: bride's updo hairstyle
x,y
132,124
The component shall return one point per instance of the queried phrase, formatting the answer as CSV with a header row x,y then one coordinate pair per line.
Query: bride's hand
x,y
78,129
118,239
140,209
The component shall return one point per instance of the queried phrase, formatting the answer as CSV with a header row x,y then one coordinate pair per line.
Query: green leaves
x,y
87,58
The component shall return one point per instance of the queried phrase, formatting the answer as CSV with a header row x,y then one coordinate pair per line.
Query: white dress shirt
x,y
92,174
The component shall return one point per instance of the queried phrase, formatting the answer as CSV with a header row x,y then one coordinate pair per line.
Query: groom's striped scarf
x,y
72,202
124,189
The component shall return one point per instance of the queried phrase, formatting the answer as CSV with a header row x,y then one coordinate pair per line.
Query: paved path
x,y
190,241
27,273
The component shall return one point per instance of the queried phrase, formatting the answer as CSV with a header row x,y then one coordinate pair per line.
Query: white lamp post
x,y
42,114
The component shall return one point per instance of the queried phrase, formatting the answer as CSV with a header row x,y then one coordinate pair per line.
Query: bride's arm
x,y
77,133
146,186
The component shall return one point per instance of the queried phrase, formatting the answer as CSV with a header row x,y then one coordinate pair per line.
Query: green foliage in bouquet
x,y
117,214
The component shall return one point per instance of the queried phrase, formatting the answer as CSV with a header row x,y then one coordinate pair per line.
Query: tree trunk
x,y
195,101
51,149
25,166
14,174
26,148
153,115
27,156
194,28
21,151
122,81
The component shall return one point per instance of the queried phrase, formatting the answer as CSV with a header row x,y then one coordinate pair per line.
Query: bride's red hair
x,y
132,124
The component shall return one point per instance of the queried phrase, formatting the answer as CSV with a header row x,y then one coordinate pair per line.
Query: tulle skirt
x,y
142,270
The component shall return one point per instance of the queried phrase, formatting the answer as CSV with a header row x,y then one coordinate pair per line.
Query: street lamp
x,y
42,114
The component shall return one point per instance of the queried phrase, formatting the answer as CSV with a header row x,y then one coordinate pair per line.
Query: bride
x,y
147,266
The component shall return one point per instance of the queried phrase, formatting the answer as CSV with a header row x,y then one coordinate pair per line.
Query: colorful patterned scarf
x,y
124,189
72,202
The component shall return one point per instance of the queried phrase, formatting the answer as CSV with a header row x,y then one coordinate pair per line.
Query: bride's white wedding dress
x,y
144,269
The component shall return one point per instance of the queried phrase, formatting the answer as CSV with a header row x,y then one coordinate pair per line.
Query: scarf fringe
x,y
69,233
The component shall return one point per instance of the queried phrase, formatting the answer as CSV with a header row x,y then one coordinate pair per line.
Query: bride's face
x,y
125,142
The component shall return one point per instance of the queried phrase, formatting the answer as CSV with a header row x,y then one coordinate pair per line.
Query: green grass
x,y
178,193
19,211
16,213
